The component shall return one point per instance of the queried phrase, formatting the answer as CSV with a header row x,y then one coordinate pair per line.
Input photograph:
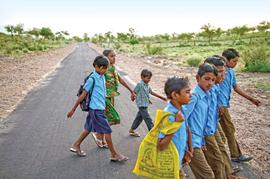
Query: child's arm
x,y
133,95
179,117
164,142
158,96
245,95
190,141
79,100
135,91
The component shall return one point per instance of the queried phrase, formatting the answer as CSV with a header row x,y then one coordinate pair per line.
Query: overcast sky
x,y
147,17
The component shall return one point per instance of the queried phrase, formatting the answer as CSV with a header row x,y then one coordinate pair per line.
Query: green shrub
x,y
257,59
150,50
194,60
133,41
116,45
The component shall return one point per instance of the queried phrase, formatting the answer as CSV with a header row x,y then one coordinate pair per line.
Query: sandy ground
x,y
19,76
252,123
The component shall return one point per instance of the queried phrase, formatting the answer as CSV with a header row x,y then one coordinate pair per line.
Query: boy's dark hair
x,y
146,73
175,84
107,52
207,68
101,61
215,60
230,53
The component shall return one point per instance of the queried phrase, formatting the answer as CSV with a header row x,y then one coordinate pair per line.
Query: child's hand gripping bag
x,y
151,162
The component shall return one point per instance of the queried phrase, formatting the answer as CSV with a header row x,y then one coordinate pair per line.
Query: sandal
x,y
134,134
80,153
119,158
97,141
105,145
236,169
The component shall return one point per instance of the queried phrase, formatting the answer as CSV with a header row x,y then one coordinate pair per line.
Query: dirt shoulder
x,y
252,123
19,75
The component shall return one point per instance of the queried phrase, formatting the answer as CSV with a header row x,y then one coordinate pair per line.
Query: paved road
x,y
36,141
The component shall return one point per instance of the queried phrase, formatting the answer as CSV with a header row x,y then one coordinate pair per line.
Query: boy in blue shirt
x,y
226,86
196,114
216,154
96,120
178,91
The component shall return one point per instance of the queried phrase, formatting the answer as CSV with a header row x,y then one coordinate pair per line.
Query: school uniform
x,y
142,91
96,120
226,122
180,137
214,155
196,113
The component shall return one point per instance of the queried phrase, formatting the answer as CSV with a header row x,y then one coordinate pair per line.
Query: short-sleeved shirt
x,y
180,137
196,112
226,87
212,120
142,91
99,91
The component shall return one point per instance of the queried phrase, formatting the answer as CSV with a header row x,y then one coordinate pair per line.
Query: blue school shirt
x,y
99,91
226,87
196,113
212,120
180,137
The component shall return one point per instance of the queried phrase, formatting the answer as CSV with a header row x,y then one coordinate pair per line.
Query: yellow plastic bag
x,y
151,162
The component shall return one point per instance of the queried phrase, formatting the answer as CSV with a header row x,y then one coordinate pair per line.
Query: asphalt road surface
x,y
35,142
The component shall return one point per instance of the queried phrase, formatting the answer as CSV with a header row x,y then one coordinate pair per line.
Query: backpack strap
x,y
89,95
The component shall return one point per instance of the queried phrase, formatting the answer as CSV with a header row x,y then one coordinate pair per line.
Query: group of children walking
x,y
205,127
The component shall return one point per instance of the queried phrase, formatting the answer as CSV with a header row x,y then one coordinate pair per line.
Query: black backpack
x,y
86,101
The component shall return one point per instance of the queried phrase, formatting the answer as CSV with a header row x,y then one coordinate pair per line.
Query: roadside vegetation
x,y
189,49
17,41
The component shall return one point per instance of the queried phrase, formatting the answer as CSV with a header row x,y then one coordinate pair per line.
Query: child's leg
x,y
114,155
99,136
229,130
77,143
221,133
199,165
214,157
147,118
226,158
182,174
137,121
108,139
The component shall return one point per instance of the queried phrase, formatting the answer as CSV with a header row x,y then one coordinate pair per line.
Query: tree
x,y
10,29
165,37
187,37
208,32
18,29
240,31
85,37
263,26
46,33
133,39
219,32
121,36
109,38
34,32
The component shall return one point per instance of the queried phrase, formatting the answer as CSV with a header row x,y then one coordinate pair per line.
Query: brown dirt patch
x,y
19,75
